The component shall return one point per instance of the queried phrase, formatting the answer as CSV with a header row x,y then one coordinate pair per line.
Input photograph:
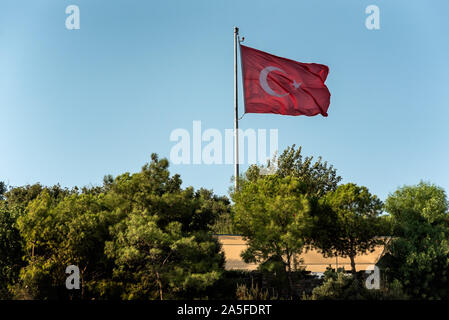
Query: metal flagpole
x,y
236,120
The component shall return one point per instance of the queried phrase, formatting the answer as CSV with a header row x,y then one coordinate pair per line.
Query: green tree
x,y
163,247
418,255
353,225
277,213
273,217
3,190
62,228
13,203
137,236
317,177
11,252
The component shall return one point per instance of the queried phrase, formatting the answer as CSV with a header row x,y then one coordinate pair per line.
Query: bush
x,y
342,286
253,293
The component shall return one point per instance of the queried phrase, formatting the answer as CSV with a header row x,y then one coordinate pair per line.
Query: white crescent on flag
x,y
264,84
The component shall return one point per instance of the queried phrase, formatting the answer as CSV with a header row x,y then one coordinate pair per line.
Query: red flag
x,y
277,85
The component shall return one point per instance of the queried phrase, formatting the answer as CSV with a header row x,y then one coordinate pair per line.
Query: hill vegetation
x,y
143,236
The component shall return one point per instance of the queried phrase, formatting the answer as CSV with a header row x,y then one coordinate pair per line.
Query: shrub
x,y
342,286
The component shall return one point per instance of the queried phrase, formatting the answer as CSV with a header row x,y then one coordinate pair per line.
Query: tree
x,y
3,190
163,247
317,177
354,215
10,252
21,196
282,208
12,244
80,229
273,217
137,236
418,255
60,231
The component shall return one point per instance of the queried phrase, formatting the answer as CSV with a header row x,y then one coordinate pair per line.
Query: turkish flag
x,y
277,85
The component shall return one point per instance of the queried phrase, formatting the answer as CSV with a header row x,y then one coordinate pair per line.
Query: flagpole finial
x,y
236,30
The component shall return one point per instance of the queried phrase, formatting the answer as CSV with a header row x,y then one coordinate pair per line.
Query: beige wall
x,y
313,260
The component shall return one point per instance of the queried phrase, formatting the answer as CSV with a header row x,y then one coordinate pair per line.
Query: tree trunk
x,y
289,275
352,255
159,283
82,286
354,272
82,282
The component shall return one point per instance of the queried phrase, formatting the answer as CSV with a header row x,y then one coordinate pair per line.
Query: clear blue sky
x,y
76,105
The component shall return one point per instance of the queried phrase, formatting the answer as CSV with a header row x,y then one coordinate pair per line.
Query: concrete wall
x,y
313,261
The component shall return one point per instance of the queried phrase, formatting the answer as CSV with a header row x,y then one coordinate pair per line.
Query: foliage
x,y
61,231
142,236
418,255
338,286
342,286
10,252
253,293
225,287
273,216
276,213
18,198
318,177
353,225
3,190
163,248
224,224
133,232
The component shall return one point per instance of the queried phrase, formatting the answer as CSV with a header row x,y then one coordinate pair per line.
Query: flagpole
x,y
236,119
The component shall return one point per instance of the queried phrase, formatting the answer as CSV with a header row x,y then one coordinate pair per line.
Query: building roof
x,y
233,246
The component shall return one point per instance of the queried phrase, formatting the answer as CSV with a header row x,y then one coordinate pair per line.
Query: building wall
x,y
313,261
